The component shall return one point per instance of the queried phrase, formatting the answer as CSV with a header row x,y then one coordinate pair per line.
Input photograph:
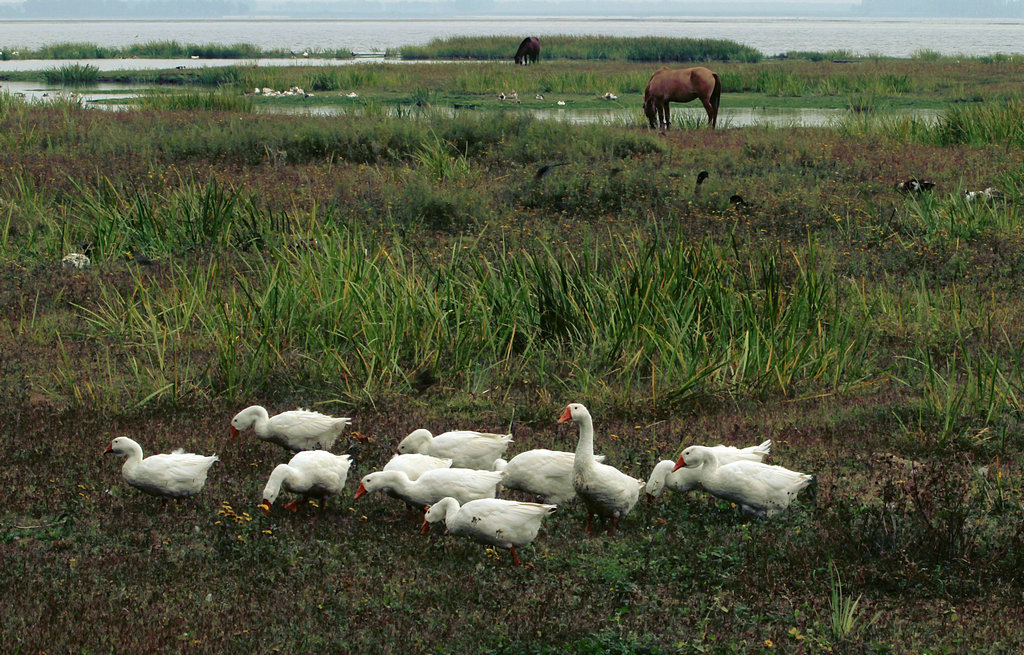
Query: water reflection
x,y
727,118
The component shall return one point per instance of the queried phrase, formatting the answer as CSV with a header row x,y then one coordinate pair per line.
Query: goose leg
x,y
515,558
586,530
322,503
293,505
611,530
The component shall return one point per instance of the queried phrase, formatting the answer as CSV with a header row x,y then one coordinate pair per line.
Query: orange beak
x,y
110,448
566,415
680,464
234,432
360,492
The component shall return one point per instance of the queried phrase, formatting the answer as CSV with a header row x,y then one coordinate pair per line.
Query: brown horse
x,y
681,85
529,51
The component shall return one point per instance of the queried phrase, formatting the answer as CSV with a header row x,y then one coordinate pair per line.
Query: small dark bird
x,y
543,170
140,258
423,380
914,185
701,176
736,200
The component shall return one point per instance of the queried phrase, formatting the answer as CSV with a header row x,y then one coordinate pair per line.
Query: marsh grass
x,y
208,101
416,272
72,74
651,49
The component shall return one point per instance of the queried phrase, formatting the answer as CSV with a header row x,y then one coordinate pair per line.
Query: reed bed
x,y
649,49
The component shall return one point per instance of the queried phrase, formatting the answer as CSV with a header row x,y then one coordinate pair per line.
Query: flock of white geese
x,y
454,477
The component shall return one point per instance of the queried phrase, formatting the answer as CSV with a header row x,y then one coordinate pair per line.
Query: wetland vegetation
x,y
412,270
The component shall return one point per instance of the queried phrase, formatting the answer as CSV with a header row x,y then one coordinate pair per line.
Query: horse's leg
x,y
668,119
711,110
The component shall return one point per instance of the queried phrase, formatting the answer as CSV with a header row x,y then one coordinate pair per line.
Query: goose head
x,y
245,419
439,511
418,441
376,481
121,446
656,483
691,457
573,412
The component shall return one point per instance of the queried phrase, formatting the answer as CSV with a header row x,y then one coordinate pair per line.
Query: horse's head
x,y
649,110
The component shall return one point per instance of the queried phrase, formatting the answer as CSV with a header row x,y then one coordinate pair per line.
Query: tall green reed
x,y
354,319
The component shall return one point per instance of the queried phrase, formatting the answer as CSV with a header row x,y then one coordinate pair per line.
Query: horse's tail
x,y
716,95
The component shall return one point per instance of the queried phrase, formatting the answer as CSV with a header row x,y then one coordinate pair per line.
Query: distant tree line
x,y
127,9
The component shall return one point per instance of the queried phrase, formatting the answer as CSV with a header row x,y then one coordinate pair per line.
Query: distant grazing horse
x,y
681,85
529,51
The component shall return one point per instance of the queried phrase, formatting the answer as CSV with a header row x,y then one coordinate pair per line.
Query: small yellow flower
x,y
768,643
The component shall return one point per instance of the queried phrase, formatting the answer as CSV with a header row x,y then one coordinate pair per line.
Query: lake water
x,y
895,38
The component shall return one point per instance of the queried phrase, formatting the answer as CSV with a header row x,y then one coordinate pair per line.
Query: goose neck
x,y
585,446
277,478
451,510
133,453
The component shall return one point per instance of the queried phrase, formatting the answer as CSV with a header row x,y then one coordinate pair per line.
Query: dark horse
x,y
681,85
529,51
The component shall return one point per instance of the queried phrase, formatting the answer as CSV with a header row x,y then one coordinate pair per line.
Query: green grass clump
x,y
650,49
72,74
210,101
815,55
997,122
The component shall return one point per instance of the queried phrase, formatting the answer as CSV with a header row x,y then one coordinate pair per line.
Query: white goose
x,y
685,479
414,464
431,486
296,430
494,521
309,473
542,472
605,490
176,475
759,489
466,449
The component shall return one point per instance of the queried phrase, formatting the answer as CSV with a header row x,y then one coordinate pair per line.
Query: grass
x,y
166,50
409,270
648,49
72,74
